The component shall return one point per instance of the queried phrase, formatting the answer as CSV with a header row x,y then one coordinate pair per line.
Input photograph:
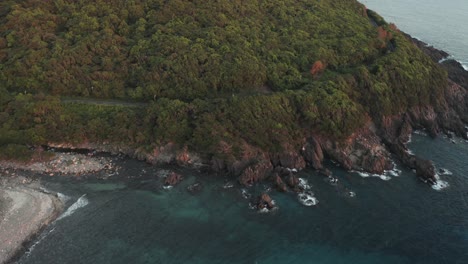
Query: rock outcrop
x,y
264,201
172,179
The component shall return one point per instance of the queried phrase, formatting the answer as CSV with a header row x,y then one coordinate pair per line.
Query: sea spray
x,y
440,184
81,202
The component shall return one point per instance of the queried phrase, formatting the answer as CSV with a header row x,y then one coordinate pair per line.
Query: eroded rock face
x,y
313,154
288,158
278,182
362,151
256,172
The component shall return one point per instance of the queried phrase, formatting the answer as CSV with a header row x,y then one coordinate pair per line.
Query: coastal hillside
x,y
242,86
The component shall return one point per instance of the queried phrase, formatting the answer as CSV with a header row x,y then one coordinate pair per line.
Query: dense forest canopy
x,y
259,71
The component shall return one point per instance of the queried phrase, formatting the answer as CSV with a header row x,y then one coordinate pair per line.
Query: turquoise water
x,y
133,220
439,23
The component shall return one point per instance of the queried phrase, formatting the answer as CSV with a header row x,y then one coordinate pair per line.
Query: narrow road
x,y
105,102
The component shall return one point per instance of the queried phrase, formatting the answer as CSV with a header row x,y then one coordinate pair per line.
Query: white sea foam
x,y
265,210
410,138
394,172
445,171
383,177
420,132
332,180
445,59
245,194
363,174
440,184
303,184
43,235
167,187
62,197
81,202
386,176
228,185
464,65
307,199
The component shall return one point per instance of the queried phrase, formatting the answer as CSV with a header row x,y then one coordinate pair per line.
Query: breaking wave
x,y
81,202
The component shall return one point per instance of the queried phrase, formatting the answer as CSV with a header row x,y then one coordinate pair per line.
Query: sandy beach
x,y
24,211
25,207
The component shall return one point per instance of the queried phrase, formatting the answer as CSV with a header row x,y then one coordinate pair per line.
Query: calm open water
x,y
442,24
135,221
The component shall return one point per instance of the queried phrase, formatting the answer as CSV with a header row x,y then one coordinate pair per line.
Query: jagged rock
x,y
425,170
195,188
289,157
292,181
426,117
363,150
255,172
282,171
280,185
405,130
264,201
172,179
313,154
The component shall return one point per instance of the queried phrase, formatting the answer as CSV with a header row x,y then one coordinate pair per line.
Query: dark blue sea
x,y
442,24
132,219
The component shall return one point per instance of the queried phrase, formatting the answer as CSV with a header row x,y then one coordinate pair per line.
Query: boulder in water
x,y
172,179
264,201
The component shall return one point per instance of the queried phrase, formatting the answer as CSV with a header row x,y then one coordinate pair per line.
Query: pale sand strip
x,y
23,213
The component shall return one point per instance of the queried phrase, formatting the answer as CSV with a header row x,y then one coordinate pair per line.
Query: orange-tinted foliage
x,y
317,68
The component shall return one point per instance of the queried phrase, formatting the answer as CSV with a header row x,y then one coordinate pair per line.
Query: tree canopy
x,y
261,71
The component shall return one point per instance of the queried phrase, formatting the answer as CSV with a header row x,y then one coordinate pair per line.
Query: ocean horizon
x,y
441,24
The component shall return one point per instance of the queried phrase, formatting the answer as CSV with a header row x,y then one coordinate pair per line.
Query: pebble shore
x,y
26,207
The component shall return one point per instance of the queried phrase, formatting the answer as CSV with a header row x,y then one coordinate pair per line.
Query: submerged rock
x,y
307,198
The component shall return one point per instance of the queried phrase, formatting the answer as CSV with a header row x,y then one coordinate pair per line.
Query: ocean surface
x,y
441,24
132,219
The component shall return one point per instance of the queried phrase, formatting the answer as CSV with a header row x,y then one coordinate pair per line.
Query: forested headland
x,y
211,76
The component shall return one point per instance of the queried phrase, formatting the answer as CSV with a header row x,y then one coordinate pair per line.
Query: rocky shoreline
x,y
370,149
26,207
